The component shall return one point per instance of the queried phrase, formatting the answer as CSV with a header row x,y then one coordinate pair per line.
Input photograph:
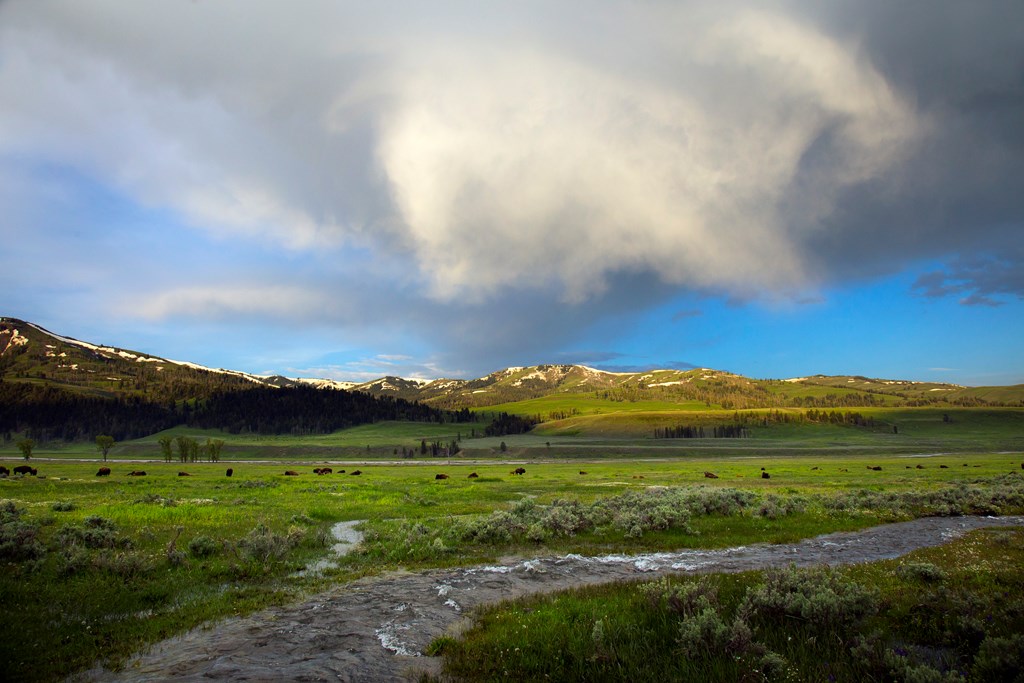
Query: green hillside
x,y
31,355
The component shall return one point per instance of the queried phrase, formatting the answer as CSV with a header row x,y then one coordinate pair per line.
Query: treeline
x,y
435,449
812,415
851,400
505,424
307,410
700,432
46,413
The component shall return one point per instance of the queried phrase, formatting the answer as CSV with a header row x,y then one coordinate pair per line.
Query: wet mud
x,y
375,629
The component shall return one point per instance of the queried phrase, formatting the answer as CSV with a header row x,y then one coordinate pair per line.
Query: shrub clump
x,y
95,532
920,571
62,506
19,539
203,546
1000,659
264,546
819,597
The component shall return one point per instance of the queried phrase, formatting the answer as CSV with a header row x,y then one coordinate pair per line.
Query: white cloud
x,y
214,302
510,163
496,178
522,167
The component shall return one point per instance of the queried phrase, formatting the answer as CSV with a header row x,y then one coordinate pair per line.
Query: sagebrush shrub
x,y
922,571
19,539
203,546
820,597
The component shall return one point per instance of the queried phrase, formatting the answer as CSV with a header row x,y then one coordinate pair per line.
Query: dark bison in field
x,y
291,473
24,469
765,475
322,470
137,473
473,475
356,473
229,472
518,470
4,471
710,475
184,474
103,472
875,468
440,476
583,472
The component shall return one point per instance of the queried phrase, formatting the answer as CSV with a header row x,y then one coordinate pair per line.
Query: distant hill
x,y
32,355
55,387
713,388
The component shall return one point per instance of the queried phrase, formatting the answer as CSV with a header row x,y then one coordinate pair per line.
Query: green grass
x,y
953,611
627,433
588,404
72,604
373,441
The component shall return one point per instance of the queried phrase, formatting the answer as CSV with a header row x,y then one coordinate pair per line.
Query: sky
x,y
350,190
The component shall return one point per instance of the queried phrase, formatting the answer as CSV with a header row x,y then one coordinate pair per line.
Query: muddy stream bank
x,y
374,629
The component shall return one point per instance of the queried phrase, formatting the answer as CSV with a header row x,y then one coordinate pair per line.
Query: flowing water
x,y
374,629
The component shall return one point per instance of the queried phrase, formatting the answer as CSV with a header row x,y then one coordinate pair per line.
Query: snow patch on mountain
x,y
326,383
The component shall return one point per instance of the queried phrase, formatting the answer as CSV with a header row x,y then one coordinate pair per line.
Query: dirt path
x,y
374,629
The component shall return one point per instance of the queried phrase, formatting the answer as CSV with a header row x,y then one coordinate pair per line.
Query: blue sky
x,y
340,190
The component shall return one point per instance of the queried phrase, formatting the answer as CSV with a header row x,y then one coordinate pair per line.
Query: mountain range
x,y
30,353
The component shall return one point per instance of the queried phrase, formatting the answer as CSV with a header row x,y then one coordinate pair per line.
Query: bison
x,y
473,475
583,472
518,470
875,468
23,469
341,471
943,467
324,470
291,473
765,475
103,472
920,467
440,476
229,472
184,474
137,473
4,471
356,473
710,475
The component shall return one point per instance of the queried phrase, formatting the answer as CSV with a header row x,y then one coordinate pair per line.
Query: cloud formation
x,y
504,177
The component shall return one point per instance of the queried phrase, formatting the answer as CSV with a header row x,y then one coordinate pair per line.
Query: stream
x,y
375,628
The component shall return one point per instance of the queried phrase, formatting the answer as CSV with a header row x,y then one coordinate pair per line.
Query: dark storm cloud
x,y
498,179
978,279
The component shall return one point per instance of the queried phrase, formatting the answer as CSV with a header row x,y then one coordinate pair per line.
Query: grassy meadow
x,y
94,567
954,613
